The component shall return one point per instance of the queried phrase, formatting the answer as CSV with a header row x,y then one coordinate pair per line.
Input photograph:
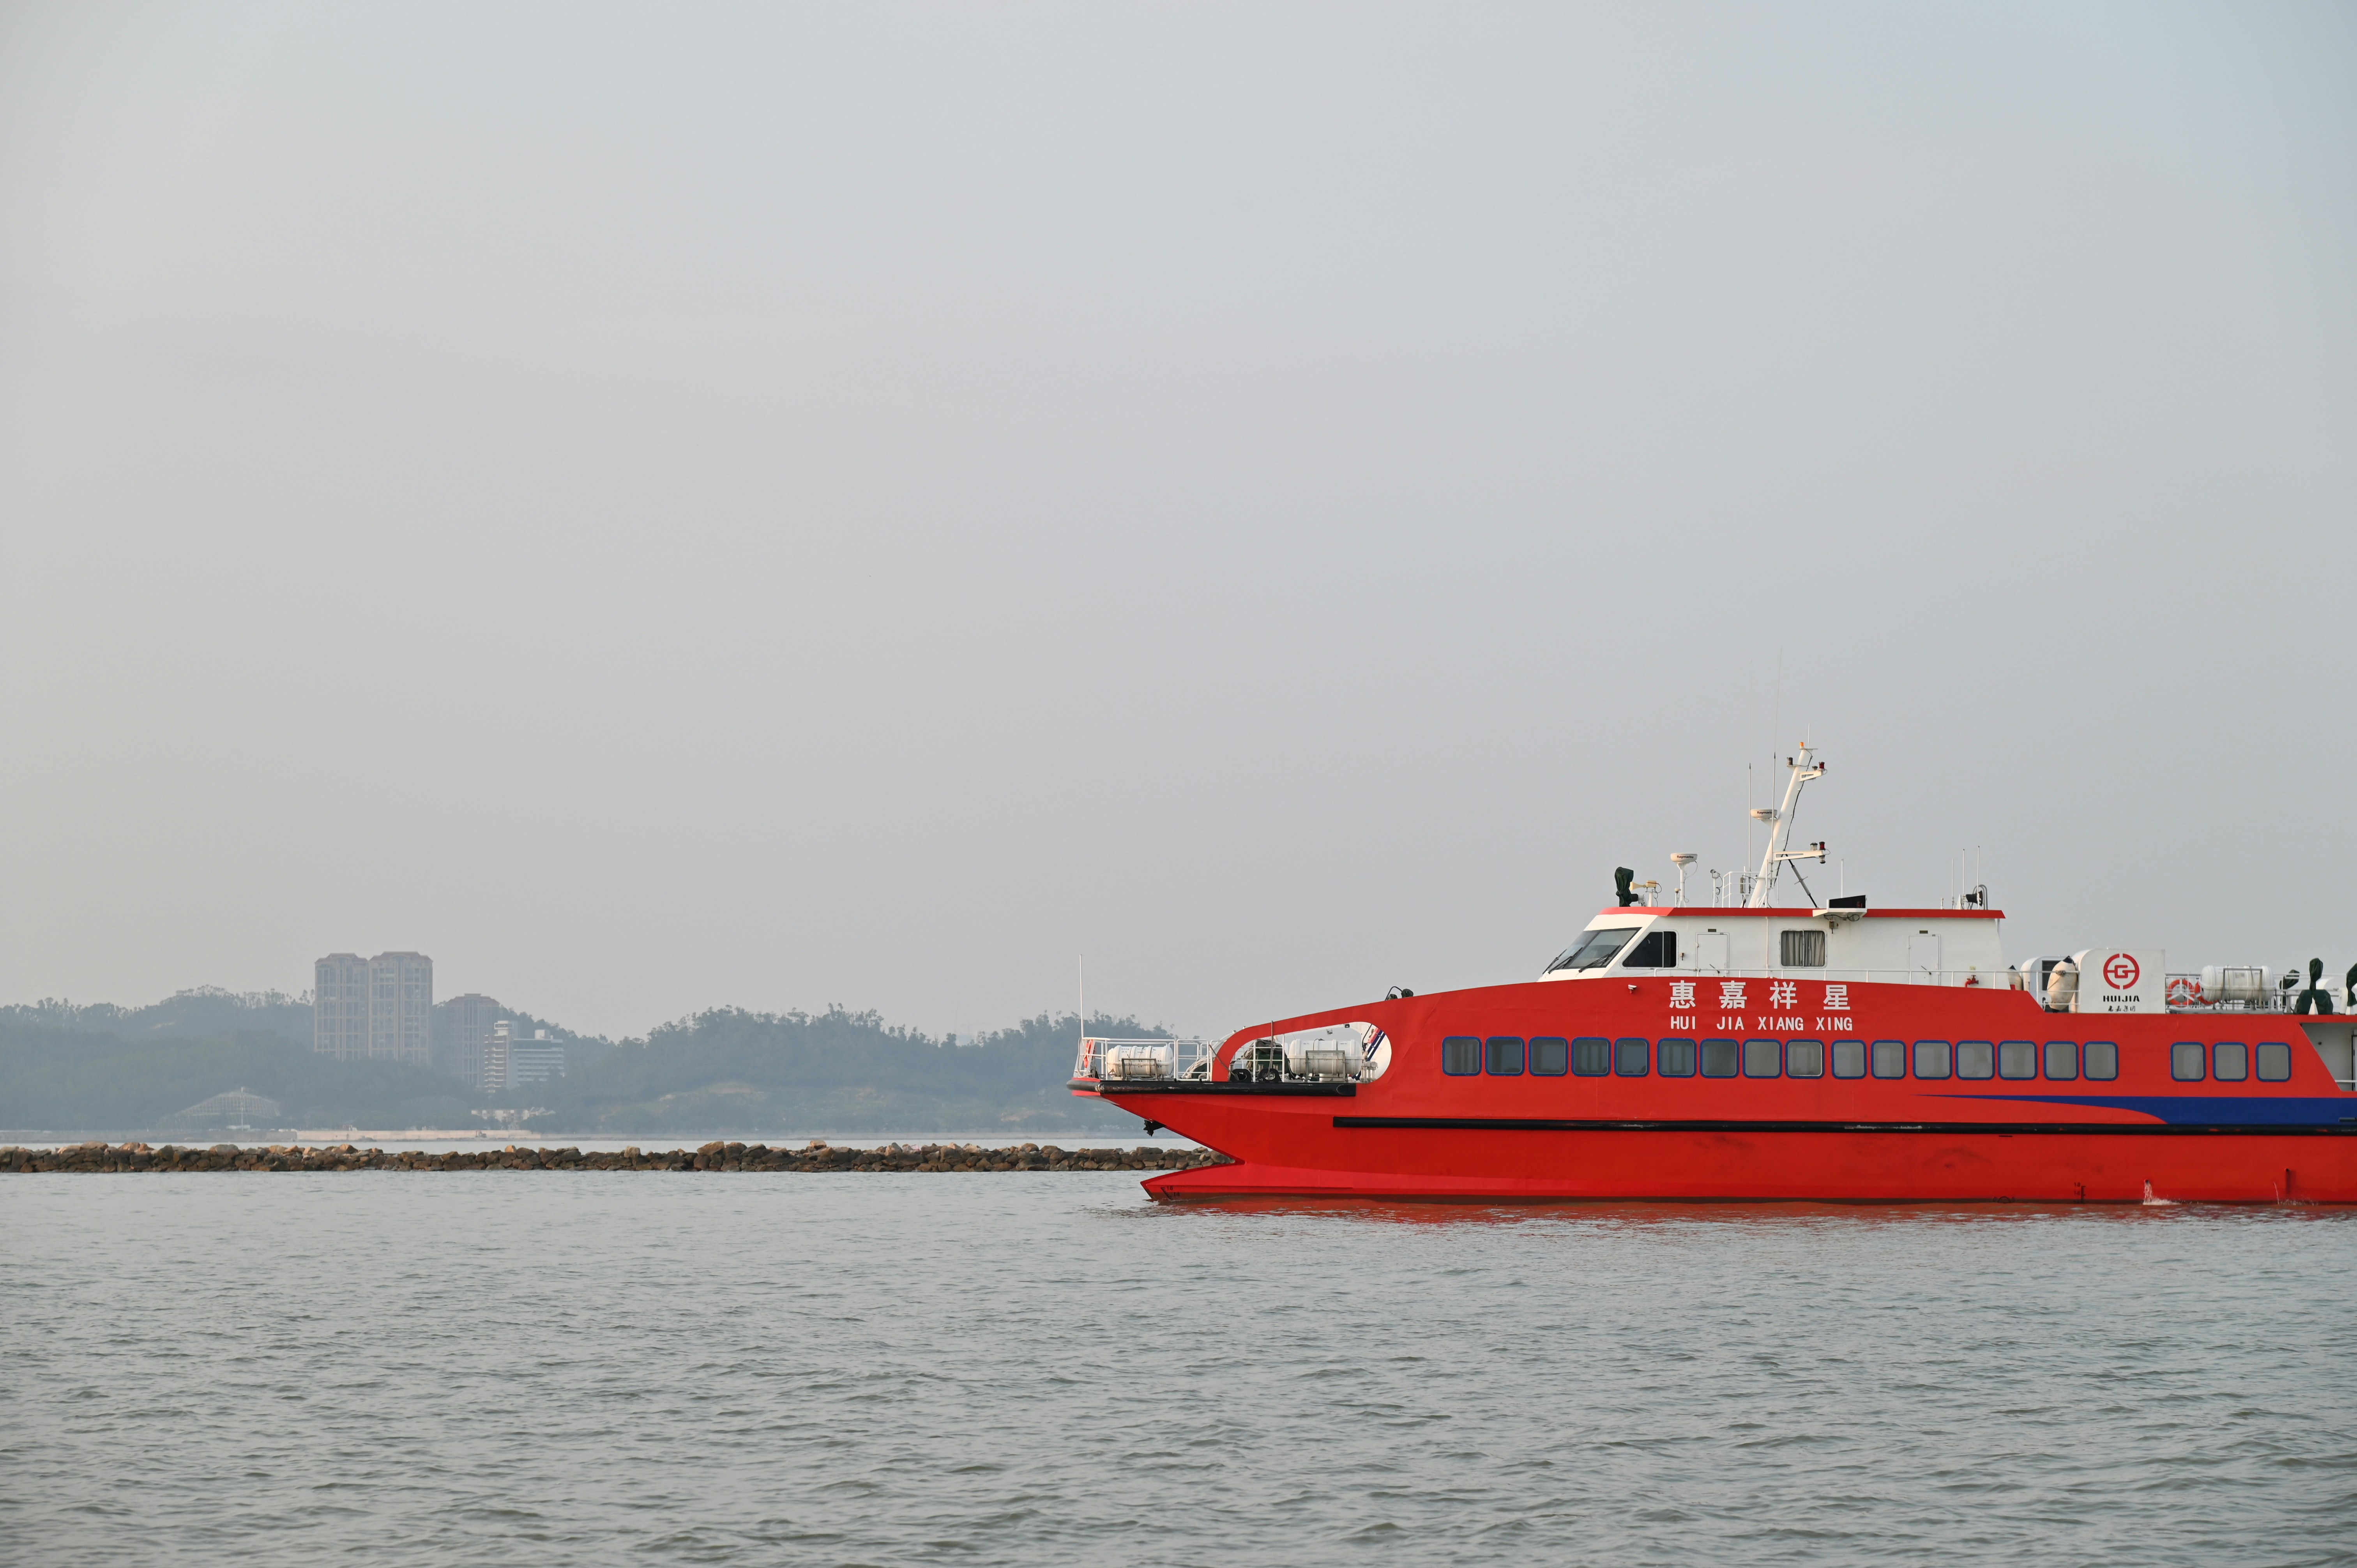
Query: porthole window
x,y
1719,1059
1976,1058
2185,1061
1849,1058
1550,1055
2017,1059
2230,1061
2062,1060
1631,1057
1931,1058
1460,1055
1891,1058
1591,1056
1804,1058
1762,1058
2102,1060
1505,1056
1676,1058
2275,1062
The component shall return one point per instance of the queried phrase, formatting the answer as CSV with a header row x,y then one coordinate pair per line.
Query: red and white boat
x,y
1749,1051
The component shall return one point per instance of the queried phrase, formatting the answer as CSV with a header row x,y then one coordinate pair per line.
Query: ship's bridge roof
x,y
1711,912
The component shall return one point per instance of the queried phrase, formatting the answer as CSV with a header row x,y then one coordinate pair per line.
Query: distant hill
x,y
203,1013
69,1069
82,1081
837,1071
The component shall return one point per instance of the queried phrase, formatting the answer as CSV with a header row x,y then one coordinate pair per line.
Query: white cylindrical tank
x,y
2242,985
2062,987
1318,1059
1140,1061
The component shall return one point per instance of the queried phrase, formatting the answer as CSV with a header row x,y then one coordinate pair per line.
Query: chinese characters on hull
x,y
1833,1005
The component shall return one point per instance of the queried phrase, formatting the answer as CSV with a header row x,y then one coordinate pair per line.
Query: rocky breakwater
x,y
715,1156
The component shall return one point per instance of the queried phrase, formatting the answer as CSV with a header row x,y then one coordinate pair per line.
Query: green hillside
x,y
836,1071
105,1068
83,1080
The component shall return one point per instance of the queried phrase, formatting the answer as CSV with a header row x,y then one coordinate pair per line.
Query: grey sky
x,y
659,507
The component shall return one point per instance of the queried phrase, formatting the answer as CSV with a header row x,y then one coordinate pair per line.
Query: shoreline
x,y
818,1156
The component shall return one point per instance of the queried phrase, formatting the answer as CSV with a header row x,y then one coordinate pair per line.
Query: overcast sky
x,y
659,507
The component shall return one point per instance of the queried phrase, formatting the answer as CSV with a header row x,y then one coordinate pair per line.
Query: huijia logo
x,y
2120,971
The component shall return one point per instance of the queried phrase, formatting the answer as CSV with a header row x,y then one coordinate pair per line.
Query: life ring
x,y
2184,990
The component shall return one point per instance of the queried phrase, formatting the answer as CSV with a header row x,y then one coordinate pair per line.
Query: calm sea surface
x,y
629,1368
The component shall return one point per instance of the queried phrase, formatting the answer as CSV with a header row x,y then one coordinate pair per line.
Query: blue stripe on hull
x,y
2218,1110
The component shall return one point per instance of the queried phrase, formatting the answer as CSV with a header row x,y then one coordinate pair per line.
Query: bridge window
x,y
1976,1058
1655,950
2275,1062
1505,1056
1594,950
2102,1060
1591,1056
1762,1058
1891,1058
2185,1061
2230,1061
1931,1058
1804,1058
1550,1055
1801,950
1849,1058
1460,1055
1677,1058
2062,1060
1719,1059
1631,1057
2017,1059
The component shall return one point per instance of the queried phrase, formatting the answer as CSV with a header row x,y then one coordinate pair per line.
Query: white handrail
x,y
1189,1058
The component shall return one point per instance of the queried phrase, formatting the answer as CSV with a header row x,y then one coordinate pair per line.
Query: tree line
x,y
67,1069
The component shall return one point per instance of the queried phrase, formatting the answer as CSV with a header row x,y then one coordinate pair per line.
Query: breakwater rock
x,y
713,1156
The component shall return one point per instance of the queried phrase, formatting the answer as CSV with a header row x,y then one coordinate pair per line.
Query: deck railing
x,y
1102,1059
2183,993
1995,978
2187,993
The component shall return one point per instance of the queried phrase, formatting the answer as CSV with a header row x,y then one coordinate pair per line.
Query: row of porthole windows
x,y
1553,1056
2230,1061
1508,1056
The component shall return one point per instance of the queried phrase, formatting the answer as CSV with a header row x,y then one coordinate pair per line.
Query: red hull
x,y
1418,1132
1861,1167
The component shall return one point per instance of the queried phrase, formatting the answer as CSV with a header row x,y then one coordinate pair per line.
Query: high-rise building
x,y
380,1009
462,1027
401,1009
511,1060
340,1007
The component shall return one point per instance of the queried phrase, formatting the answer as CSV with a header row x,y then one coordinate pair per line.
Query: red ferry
x,y
1749,1051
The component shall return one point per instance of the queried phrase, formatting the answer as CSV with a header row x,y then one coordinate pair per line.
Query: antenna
x,y
1081,971
1682,859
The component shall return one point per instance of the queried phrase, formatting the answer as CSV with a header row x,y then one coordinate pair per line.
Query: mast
x,y
1804,769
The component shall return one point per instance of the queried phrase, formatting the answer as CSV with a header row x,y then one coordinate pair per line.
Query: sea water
x,y
631,1368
